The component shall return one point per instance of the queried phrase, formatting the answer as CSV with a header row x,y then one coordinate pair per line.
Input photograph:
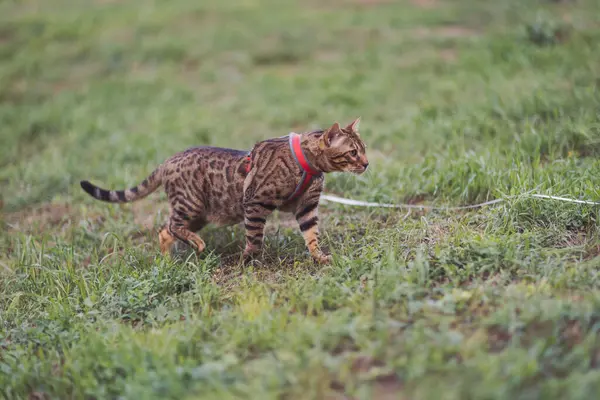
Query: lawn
x,y
461,102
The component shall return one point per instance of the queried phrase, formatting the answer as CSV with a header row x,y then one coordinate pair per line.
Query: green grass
x,y
461,101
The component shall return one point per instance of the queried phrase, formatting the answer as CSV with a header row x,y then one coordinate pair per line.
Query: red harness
x,y
308,171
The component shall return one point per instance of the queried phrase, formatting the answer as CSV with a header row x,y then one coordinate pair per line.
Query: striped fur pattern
x,y
215,185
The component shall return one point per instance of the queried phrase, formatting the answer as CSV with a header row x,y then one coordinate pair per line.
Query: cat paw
x,y
248,256
247,259
323,258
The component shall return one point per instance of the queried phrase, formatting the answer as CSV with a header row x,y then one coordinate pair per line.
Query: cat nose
x,y
366,165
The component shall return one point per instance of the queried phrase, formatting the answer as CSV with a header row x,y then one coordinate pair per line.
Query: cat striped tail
x,y
140,191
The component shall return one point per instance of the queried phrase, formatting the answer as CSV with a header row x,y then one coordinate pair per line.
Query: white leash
x,y
359,203
543,196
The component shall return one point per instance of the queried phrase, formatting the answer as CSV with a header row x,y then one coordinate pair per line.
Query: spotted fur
x,y
224,186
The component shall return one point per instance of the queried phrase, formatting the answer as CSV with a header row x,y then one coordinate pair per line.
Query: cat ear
x,y
331,133
353,126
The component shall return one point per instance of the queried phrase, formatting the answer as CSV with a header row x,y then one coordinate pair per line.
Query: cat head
x,y
343,149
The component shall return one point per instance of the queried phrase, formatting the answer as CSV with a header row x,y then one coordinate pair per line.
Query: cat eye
x,y
353,153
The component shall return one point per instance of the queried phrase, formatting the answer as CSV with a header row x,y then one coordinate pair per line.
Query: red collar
x,y
308,171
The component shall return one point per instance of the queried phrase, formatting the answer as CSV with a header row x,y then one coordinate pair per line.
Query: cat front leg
x,y
255,218
308,220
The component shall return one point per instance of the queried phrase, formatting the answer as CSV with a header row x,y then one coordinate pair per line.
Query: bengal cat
x,y
224,186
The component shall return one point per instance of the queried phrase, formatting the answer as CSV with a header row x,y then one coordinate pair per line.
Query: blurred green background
x,y
461,101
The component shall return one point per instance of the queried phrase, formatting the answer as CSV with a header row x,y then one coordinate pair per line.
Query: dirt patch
x,y
381,389
592,252
228,274
448,55
6,36
498,338
388,388
328,56
78,78
38,396
147,214
384,384
45,216
572,333
573,239
267,268
415,59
